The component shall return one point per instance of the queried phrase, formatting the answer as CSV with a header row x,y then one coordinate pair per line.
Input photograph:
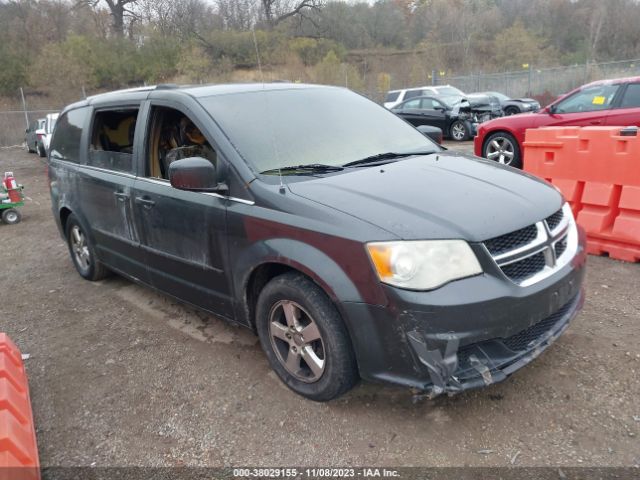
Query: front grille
x,y
525,268
524,339
531,254
511,241
561,247
554,220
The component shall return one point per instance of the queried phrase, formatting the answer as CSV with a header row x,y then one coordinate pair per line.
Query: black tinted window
x,y
392,96
111,144
65,144
631,96
412,94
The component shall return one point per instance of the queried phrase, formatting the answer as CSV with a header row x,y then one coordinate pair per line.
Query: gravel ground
x,y
120,375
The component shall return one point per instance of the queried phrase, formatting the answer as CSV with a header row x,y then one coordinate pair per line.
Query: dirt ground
x,y
120,375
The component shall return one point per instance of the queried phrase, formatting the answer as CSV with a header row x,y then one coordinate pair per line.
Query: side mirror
x,y
195,174
551,109
434,133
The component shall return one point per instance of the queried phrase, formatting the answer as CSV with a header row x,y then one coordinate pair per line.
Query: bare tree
x,y
119,9
238,14
275,11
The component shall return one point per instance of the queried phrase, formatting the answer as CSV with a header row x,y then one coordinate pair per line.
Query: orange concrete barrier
x,y
598,171
18,447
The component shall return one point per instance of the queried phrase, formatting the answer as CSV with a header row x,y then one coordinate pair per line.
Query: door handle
x,y
121,196
146,202
596,122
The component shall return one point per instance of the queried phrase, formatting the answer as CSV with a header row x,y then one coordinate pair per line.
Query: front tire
x,y
41,151
82,251
502,147
511,111
304,338
11,216
459,131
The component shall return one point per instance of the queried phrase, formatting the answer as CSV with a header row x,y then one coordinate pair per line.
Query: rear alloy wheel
x,y
304,338
11,216
501,147
82,251
459,131
511,111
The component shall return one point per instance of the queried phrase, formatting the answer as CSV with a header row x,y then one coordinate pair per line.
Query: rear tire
x,y
321,366
502,147
511,111
82,251
41,151
11,216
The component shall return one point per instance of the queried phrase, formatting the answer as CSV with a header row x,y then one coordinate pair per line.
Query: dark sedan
x,y
453,118
512,106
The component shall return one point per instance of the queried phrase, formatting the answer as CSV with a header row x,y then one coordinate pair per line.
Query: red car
x,y
605,102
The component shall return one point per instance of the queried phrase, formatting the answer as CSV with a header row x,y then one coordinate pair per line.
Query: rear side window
x,y
65,144
111,144
412,94
631,97
392,96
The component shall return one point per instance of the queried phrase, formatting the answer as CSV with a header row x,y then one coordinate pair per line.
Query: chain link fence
x,y
13,125
542,83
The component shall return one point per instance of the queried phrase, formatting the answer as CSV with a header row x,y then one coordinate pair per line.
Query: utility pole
x,y
24,107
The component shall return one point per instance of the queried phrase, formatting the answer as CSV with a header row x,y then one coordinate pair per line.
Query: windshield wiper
x,y
386,156
310,168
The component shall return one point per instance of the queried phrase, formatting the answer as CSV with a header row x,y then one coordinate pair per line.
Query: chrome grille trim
x,y
546,240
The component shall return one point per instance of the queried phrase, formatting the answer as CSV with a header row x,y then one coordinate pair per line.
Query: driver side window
x,y
590,99
431,104
174,136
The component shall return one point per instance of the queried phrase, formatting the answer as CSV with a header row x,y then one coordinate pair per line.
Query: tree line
x,y
53,46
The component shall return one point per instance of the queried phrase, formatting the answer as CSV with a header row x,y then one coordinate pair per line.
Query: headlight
x,y
423,265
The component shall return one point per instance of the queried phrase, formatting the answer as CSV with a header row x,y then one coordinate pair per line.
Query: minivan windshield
x,y
274,129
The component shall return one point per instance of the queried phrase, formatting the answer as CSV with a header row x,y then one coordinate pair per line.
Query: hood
x,y
439,196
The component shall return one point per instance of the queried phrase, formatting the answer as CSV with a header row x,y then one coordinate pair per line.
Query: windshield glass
x,y
451,100
300,126
500,96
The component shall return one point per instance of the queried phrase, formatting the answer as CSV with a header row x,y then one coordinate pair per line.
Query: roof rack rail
x,y
167,86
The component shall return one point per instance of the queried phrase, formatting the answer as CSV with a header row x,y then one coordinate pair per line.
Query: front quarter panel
x,y
324,244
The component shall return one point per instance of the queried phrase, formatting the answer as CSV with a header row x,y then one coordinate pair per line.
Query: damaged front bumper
x,y
492,361
468,334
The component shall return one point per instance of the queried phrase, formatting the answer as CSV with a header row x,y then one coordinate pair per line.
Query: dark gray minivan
x,y
353,245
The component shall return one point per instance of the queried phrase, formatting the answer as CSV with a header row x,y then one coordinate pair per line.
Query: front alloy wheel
x,y
304,338
296,340
459,131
